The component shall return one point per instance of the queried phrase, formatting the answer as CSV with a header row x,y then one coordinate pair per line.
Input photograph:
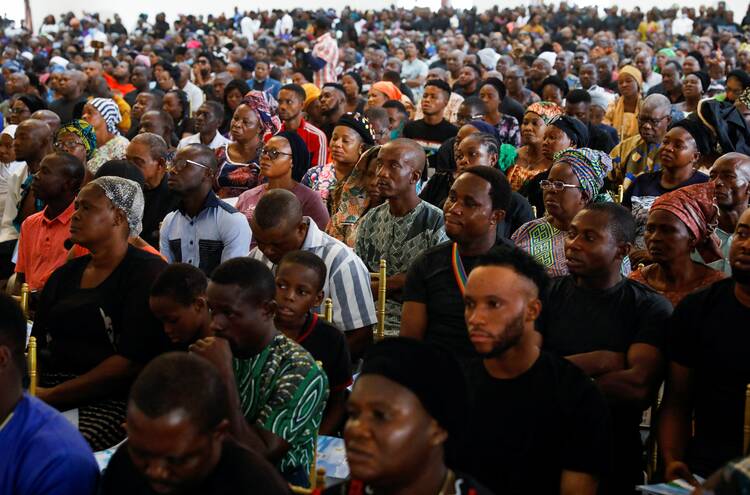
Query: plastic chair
x,y
382,278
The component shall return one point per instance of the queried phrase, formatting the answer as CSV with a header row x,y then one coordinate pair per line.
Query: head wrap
x,y
485,127
488,57
429,373
12,66
545,109
358,123
744,97
10,130
728,129
590,167
389,89
668,52
704,78
109,112
599,99
127,196
559,82
576,130
263,104
142,60
632,72
700,133
696,207
311,93
300,154
83,130
497,84
33,102
357,78
549,57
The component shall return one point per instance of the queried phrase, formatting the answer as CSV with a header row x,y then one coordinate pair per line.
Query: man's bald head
x,y
224,77
17,83
410,151
655,102
33,140
48,117
731,176
739,161
437,73
278,208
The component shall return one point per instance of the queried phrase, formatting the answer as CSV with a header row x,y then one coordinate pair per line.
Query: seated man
x,y
41,245
276,392
433,294
41,453
432,129
538,424
204,231
208,119
402,226
178,300
178,439
299,289
701,420
279,227
611,328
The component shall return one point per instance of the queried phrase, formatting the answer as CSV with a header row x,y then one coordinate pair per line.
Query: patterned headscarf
x,y
547,110
125,195
265,106
83,130
389,89
696,207
744,97
359,124
590,167
109,112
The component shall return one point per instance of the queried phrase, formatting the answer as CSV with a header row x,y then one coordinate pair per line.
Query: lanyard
x,y
458,268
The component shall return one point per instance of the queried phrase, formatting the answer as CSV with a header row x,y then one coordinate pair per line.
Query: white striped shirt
x,y
347,282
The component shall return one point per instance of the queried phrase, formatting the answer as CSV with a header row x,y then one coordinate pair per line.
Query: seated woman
x,y
93,324
234,92
78,138
284,152
352,83
575,180
238,161
354,197
680,222
530,160
694,87
104,116
351,137
177,105
492,92
380,92
622,114
23,106
401,433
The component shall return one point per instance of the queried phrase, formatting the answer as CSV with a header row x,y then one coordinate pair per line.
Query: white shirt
x,y
652,81
284,25
195,96
8,231
6,170
217,142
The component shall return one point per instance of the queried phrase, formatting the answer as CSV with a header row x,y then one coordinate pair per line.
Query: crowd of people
x,y
560,198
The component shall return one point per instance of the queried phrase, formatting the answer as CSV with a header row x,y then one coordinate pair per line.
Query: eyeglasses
x,y
651,122
67,145
272,153
177,166
556,185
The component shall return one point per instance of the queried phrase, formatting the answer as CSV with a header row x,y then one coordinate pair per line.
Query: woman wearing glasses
x,y
78,138
575,180
283,153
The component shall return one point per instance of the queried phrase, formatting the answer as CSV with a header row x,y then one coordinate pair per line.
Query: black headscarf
x,y
700,133
300,154
576,130
723,124
360,125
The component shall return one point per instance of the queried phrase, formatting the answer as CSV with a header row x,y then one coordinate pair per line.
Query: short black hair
x,y
13,330
497,84
619,221
296,89
500,190
557,81
376,113
181,282
440,84
121,168
170,382
476,103
519,261
309,260
578,96
475,68
277,207
397,105
216,108
253,277
73,168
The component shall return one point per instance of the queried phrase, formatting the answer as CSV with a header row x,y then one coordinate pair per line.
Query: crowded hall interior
x,y
402,251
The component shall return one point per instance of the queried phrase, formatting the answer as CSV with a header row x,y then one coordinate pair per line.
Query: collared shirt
x,y
414,69
347,281
326,48
8,231
217,142
314,138
41,246
216,234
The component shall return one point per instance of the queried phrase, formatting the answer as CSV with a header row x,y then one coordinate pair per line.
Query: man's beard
x,y
740,276
511,337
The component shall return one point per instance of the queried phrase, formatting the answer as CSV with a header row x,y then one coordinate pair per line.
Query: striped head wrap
x,y
109,112
744,97
265,106
547,110
590,167
83,130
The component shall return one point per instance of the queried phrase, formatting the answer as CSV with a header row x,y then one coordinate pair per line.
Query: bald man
x,y
401,227
48,117
17,84
71,89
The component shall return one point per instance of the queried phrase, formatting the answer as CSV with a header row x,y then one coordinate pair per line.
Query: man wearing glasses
x,y
204,231
640,153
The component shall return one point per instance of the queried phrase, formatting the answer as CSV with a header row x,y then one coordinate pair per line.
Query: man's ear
x,y
624,249
497,216
437,433
269,309
319,298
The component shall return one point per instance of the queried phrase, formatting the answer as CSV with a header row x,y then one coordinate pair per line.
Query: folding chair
x,y
31,363
327,313
382,278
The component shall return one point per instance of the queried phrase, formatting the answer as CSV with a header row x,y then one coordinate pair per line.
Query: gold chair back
x,y
533,211
382,277
23,299
31,363
327,313
620,194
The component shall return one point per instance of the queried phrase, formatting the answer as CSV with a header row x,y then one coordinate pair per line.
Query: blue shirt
x,y
216,234
42,453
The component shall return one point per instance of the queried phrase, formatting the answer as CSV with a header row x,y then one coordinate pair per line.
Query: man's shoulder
x,y
435,252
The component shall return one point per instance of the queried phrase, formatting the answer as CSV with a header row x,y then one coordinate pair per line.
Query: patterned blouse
x,y
545,242
321,179
509,131
113,150
234,178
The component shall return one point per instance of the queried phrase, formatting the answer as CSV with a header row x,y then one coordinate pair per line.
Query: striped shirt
x,y
347,282
326,48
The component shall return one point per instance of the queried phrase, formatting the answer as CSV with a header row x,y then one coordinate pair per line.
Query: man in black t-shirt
x,y
433,306
709,370
610,327
432,130
177,437
537,424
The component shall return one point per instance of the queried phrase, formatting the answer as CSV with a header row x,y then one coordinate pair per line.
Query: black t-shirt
x,y
66,109
238,471
576,320
464,485
430,281
649,184
708,333
600,140
430,136
525,431
328,345
158,202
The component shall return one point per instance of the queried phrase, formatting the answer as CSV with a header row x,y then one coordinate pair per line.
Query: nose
x,y
474,317
156,470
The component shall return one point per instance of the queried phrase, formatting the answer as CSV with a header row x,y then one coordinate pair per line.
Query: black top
x,y
649,184
328,345
464,485
79,328
238,471
600,140
158,202
65,109
511,107
430,136
576,320
659,90
549,419
430,281
708,333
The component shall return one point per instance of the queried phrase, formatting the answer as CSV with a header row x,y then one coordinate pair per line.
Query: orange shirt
x,y
41,246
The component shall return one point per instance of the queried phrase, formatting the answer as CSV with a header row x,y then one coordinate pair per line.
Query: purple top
x,y
312,205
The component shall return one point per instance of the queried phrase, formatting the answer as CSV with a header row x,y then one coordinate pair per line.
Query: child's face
x,y
7,154
181,323
296,293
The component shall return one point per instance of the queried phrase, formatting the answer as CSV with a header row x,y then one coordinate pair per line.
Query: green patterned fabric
x,y
283,391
